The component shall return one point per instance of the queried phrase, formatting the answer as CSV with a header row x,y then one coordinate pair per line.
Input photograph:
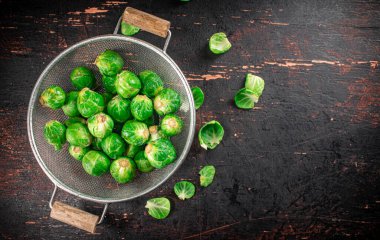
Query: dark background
x,y
303,164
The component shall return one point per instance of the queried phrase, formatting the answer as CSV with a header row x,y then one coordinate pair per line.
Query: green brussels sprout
x,y
135,132
156,133
219,43
53,97
123,170
73,120
127,84
158,208
70,108
78,152
132,150
96,143
109,63
119,109
77,134
54,133
100,125
207,174
245,99
210,135
96,163
89,103
109,83
82,77
113,145
107,97
184,190
142,163
152,83
171,125
255,84
198,96
141,107
160,153
167,101
128,29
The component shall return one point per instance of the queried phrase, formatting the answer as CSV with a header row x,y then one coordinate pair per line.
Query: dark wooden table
x,y
303,164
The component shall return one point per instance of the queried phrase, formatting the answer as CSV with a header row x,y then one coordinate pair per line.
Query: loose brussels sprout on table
x,y
141,107
245,99
142,163
53,97
210,135
127,84
135,132
109,83
73,120
77,134
82,77
198,96
113,145
96,163
96,143
184,190
123,170
70,108
160,153
132,150
119,109
207,174
254,83
78,152
128,29
55,134
89,102
109,63
100,125
167,101
171,125
152,83
219,43
158,208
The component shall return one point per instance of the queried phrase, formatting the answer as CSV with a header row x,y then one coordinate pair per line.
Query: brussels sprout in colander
x,y
53,97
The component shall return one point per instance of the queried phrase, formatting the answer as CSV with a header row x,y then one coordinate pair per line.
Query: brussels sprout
x,y
128,29
100,125
107,97
95,163
53,97
123,170
127,84
152,83
109,83
89,103
219,43
156,133
171,125
77,134
142,163
119,109
245,99
210,135
113,145
141,107
78,152
160,153
96,143
132,150
198,96
135,132
255,84
207,174
109,63
82,77
167,101
184,190
54,133
73,120
151,120
158,208
70,108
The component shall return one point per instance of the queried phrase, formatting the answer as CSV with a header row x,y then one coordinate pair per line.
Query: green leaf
x,y
198,96
158,208
245,99
207,174
219,43
128,29
255,84
184,190
210,135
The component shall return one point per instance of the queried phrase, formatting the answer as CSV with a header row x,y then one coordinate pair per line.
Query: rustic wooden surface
x,y
303,164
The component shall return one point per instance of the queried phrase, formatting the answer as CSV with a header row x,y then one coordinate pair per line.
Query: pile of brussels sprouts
x,y
116,131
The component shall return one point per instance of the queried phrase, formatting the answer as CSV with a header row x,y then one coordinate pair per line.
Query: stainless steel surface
x,y
66,172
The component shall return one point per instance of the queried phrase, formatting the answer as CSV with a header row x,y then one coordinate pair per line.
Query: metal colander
x,y
66,172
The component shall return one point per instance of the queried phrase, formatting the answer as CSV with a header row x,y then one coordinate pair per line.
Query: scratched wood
x,y
303,164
